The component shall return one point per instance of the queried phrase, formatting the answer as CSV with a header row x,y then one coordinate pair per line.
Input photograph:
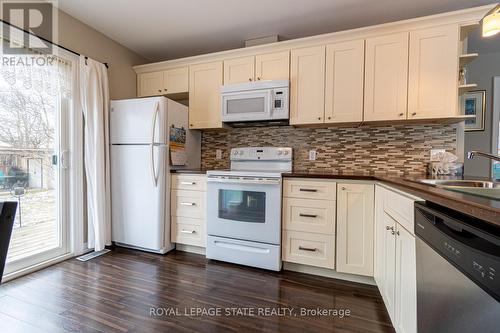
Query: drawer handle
x,y
308,249
188,231
188,204
188,183
308,190
308,215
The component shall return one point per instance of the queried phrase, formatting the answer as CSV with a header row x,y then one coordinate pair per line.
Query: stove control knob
x,y
286,152
280,152
235,152
241,152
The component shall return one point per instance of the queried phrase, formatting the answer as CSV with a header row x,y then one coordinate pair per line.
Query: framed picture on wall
x,y
475,106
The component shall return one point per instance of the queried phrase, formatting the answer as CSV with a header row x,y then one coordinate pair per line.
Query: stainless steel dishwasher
x,y
458,272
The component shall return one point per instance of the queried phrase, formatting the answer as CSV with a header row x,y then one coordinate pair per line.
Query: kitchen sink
x,y
482,188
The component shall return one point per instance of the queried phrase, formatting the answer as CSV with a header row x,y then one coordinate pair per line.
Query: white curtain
x,y
94,94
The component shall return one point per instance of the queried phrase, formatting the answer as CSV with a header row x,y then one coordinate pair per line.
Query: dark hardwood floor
x,y
120,291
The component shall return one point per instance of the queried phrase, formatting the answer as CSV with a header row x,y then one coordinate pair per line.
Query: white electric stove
x,y
244,207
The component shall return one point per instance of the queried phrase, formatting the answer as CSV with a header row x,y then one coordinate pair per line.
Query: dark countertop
x,y
479,207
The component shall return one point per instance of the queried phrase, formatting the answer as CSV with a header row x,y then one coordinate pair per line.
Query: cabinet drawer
x,y
400,208
188,204
189,182
308,189
309,249
188,231
309,215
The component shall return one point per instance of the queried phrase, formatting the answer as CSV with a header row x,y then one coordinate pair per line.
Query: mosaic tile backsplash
x,y
398,149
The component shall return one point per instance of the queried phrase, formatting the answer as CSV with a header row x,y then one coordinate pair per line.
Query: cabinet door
x,y
273,66
355,210
344,82
386,77
205,81
176,80
239,70
406,283
386,262
307,82
433,69
150,84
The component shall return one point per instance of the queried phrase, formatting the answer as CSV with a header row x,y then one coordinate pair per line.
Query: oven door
x,y
244,208
246,106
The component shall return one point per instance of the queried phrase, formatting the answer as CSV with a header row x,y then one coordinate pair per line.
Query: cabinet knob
x,y
319,118
401,114
343,188
258,78
329,118
159,90
397,233
191,125
414,114
165,89
389,228
249,79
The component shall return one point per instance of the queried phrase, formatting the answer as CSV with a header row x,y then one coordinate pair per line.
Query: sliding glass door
x,y
34,162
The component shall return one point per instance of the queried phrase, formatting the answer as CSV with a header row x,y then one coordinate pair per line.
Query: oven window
x,y
244,206
246,105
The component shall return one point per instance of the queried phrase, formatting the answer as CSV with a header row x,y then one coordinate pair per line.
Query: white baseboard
x,y
190,248
34,268
289,266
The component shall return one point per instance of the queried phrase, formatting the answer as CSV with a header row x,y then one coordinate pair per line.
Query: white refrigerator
x,y
140,169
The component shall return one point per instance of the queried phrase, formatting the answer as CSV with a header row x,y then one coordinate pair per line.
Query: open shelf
x,y
464,59
462,89
467,28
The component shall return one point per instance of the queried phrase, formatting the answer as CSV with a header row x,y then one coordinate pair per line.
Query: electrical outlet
x,y
434,154
312,155
218,154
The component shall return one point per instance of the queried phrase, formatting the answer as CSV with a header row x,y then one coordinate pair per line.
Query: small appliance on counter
x,y
148,137
255,101
244,207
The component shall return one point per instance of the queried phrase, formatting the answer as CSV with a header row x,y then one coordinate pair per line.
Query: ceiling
x,y
168,29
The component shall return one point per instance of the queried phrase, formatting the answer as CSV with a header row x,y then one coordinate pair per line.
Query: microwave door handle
x,y
270,94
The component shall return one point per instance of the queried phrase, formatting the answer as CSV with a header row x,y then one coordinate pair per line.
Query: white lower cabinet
x,y
355,204
395,259
309,249
188,210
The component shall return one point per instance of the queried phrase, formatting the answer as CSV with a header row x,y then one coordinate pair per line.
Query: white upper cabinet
x,y
150,84
355,210
239,70
344,82
171,81
272,66
176,80
205,81
433,72
386,77
307,83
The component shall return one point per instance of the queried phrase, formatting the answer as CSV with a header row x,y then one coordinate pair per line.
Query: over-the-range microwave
x,y
255,101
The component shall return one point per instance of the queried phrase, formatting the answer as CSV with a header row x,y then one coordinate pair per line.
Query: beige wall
x,y
79,37
83,39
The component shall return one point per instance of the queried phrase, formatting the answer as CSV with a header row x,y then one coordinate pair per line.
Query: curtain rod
x,y
48,41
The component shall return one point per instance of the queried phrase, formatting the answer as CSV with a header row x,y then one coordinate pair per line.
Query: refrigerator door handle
x,y
153,132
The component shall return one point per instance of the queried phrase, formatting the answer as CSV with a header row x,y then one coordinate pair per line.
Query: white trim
x,y
37,267
330,273
388,187
190,249
464,16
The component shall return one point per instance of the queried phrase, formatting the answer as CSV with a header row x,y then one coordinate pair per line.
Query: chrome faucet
x,y
472,153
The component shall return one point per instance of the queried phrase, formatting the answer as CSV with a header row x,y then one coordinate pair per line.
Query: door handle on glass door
x,y
65,159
